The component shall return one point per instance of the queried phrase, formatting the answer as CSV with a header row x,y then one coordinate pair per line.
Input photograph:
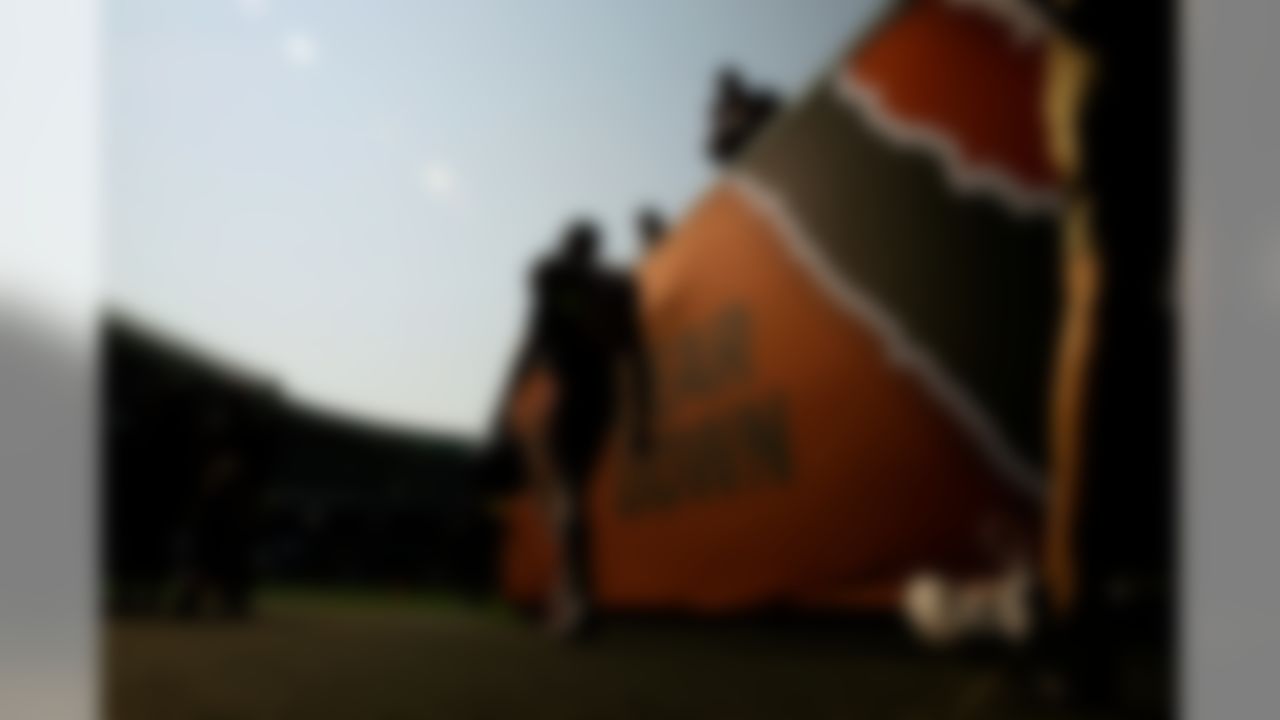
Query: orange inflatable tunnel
x,y
852,335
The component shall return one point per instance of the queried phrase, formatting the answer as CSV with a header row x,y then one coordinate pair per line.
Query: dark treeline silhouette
x,y
215,482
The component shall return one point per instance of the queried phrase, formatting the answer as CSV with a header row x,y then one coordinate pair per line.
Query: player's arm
x,y
525,360
528,354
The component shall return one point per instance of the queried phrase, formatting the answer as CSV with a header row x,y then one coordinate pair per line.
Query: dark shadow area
x,y
216,482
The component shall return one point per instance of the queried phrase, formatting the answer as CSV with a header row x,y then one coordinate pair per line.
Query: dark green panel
x,y
973,283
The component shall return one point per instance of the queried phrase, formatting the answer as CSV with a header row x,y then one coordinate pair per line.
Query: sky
x,y
346,195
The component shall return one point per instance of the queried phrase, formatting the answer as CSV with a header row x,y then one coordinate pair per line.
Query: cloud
x,y
300,48
439,181
254,9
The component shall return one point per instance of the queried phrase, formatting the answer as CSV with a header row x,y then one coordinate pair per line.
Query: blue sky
x,y
345,195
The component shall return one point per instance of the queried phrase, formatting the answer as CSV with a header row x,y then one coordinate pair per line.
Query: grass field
x,y
310,656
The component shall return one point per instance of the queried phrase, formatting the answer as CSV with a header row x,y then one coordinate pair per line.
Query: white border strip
x,y
900,347
965,178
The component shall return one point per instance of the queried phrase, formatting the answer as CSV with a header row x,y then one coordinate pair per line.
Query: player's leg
x,y
579,438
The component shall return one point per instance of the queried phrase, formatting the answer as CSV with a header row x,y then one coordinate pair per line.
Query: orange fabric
x,y
962,72
803,468
1069,83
